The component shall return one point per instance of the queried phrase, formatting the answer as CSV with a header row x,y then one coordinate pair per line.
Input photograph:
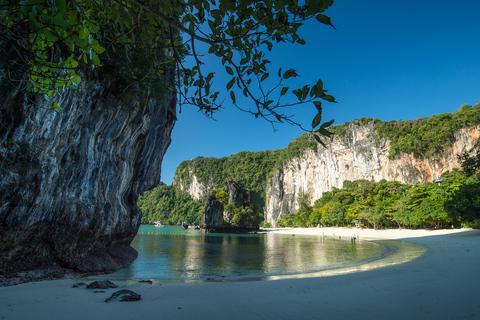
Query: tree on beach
x,y
51,46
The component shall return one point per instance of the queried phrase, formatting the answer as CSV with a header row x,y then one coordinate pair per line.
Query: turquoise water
x,y
175,254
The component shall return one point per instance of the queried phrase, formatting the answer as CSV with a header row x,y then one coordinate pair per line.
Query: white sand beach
x,y
443,283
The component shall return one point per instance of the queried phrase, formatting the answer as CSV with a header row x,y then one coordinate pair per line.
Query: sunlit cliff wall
x,y
354,155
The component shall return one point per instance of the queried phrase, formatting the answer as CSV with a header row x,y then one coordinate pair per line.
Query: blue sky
x,y
387,59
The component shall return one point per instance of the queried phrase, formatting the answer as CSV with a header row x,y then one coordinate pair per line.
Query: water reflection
x,y
172,253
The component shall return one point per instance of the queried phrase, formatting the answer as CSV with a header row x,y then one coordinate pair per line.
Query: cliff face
x,y
197,189
71,179
235,209
352,156
212,216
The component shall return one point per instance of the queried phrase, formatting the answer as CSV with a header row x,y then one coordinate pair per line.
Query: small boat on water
x,y
158,224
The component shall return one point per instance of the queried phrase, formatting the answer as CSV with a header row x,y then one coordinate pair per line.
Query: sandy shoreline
x,y
444,283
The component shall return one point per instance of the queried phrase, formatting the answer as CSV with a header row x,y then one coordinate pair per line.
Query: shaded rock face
x,y
237,195
353,156
212,216
220,217
240,198
70,180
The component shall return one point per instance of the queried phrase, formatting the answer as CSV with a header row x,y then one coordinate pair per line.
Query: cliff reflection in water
x,y
171,253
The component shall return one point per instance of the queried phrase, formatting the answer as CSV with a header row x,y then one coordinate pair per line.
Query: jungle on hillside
x,y
377,204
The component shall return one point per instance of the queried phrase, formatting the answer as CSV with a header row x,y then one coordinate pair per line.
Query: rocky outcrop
x,y
71,179
212,216
232,212
354,155
197,189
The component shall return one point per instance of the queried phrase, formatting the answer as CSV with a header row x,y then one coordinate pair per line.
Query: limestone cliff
x,y
354,155
197,189
70,179
230,210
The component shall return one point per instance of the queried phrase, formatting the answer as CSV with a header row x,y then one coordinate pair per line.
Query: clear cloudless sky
x,y
389,60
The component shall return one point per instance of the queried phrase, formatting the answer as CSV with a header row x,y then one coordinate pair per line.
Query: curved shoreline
x,y
443,283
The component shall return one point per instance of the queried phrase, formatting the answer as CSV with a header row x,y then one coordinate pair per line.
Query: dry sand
x,y
443,283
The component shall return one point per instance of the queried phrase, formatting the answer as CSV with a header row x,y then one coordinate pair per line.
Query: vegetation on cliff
x,y
242,212
169,205
251,169
426,136
392,204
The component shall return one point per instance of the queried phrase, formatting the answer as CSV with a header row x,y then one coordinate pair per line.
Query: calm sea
x,y
175,254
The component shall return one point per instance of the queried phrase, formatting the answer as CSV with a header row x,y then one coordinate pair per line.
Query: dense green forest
x,y
377,203
250,169
169,205
456,202
426,136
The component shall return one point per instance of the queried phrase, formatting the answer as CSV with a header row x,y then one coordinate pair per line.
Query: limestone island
x,y
230,210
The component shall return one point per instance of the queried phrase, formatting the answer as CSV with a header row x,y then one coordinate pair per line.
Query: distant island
x,y
433,145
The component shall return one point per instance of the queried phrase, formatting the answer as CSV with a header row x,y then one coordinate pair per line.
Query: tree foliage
x,y
464,205
169,205
388,204
250,169
427,136
378,204
469,162
48,46
241,214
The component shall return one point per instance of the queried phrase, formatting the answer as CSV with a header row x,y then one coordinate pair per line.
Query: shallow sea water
x,y
172,254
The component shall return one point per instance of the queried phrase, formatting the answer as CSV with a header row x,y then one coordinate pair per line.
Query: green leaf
x,y
74,63
98,49
49,36
305,92
211,24
327,124
82,34
284,91
55,106
230,84
229,70
328,97
82,43
76,79
60,4
324,132
290,73
59,21
24,8
301,41
298,93
325,19
265,76
232,95
316,120
209,76
319,140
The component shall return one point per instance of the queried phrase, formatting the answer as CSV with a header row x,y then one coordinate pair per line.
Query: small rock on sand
x,y
125,296
102,284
